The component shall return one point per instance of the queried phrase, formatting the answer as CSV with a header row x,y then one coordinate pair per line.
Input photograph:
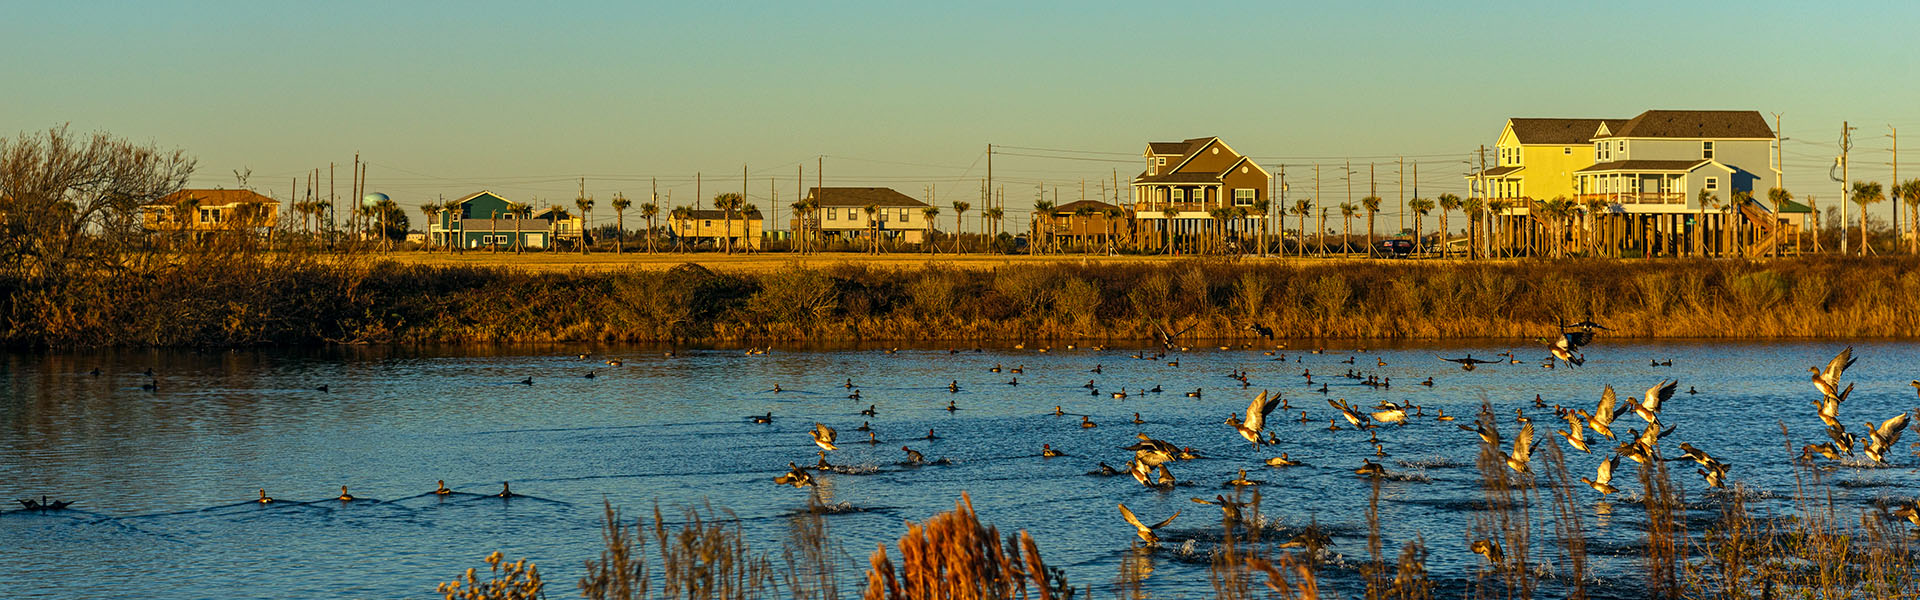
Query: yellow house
x,y
203,211
713,226
1537,158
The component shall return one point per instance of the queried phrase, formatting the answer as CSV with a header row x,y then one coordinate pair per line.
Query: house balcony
x,y
1634,198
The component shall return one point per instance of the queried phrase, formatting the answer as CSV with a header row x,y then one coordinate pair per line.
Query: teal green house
x,y
485,219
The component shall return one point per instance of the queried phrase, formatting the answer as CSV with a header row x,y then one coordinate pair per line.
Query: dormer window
x,y
1706,150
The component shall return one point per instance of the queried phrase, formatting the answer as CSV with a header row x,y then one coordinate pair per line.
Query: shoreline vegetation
x,y
251,299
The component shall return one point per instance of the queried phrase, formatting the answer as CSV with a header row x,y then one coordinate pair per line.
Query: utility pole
x,y
333,204
1400,170
1480,181
989,173
1846,144
1894,186
1279,205
1319,231
1779,149
696,190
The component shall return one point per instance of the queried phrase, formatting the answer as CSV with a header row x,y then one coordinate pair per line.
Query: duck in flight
x,y
1469,362
1143,530
795,476
1603,479
823,436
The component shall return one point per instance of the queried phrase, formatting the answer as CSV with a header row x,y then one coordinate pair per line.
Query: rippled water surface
x,y
162,478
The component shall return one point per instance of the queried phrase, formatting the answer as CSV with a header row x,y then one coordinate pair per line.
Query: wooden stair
x,y
1769,227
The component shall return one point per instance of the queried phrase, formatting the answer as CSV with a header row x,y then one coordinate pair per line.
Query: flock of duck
x,y
1151,459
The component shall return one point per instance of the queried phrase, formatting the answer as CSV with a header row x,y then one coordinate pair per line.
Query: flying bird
x,y
823,436
1828,380
1143,530
1603,479
1468,363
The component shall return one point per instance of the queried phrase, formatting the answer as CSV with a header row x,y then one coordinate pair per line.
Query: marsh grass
x,y
239,299
954,557
516,580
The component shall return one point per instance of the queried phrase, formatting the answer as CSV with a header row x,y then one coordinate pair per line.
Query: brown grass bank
x,y
253,300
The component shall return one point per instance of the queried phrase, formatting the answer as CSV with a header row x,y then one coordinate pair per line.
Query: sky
x,y
443,99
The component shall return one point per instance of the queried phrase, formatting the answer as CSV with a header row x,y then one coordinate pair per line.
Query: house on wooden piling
x,y
1189,188
1663,183
484,219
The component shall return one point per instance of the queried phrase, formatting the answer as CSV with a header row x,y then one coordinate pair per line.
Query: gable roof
x,y
1069,208
217,197
1565,132
464,199
861,196
1739,124
1166,148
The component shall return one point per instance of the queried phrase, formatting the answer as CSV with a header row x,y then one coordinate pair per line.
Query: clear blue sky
x,y
450,97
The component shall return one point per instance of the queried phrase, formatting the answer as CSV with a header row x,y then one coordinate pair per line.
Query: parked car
x,y
1396,248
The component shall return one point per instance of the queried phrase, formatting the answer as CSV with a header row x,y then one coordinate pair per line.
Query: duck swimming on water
x,y
441,490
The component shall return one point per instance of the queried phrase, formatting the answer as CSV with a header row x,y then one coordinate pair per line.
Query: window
x,y
1713,183
1152,168
706,223
882,213
1242,197
853,214
203,214
831,214
1179,194
904,217
1706,152
1623,149
1568,151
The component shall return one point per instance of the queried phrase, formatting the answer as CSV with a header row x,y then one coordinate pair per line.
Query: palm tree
x,y
1302,208
520,212
1112,215
1448,203
585,204
1042,217
994,214
1474,207
874,225
1347,211
1909,192
1736,215
1594,205
728,203
1372,204
800,218
620,204
648,211
1779,197
1865,193
928,213
679,216
1706,199
1169,213
427,210
960,208
1495,207
1420,208
1085,213
1262,206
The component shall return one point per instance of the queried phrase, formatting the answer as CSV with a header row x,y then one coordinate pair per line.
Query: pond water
x,y
162,478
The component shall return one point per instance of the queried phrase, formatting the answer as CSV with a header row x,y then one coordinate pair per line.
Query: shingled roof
x,y
1565,132
1070,207
861,196
1645,165
219,197
1746,124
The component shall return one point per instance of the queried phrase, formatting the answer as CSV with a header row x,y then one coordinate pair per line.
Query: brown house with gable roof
x,y
1186,181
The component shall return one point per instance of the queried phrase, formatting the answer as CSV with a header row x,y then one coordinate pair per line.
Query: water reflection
x,y
158,472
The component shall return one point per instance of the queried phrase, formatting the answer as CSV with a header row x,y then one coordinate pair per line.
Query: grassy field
x,y
769,262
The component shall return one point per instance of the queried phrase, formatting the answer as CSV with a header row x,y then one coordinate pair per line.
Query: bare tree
x,y
67,202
